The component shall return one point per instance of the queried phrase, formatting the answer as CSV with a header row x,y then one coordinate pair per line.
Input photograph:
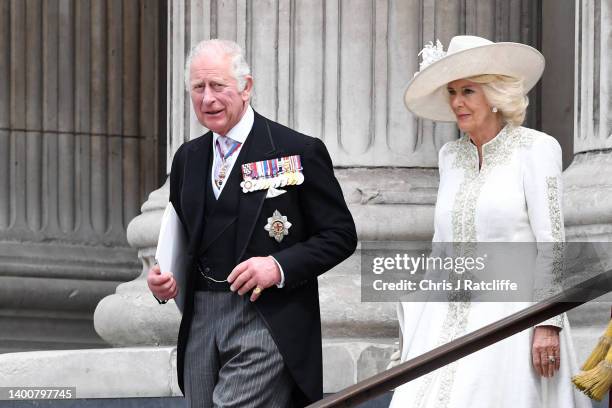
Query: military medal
x,y
272,174
296,166
277,226
247,186
300,178
249,177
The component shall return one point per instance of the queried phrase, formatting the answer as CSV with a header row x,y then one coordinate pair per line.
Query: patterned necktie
x,y
225,147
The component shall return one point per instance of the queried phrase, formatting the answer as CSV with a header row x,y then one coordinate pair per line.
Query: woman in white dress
x,y
499,182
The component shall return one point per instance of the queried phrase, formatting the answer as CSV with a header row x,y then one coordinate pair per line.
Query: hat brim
x,y
426,94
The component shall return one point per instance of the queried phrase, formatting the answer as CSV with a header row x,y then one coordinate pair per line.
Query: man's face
x,y
217,103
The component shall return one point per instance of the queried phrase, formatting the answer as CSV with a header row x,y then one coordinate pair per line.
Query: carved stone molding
x,y
588,192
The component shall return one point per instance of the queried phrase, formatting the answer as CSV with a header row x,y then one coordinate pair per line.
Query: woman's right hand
x,y
545,350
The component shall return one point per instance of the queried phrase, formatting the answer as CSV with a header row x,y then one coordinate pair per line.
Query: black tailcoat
x,y
321,236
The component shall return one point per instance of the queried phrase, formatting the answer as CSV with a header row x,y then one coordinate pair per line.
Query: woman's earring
x,y
494,109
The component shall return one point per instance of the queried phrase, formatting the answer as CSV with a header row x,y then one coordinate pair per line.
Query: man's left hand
x,y
257,272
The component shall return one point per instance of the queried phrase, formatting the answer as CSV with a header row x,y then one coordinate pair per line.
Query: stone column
x,y
78,94
142,322
587,198
387,157
588,192
79,109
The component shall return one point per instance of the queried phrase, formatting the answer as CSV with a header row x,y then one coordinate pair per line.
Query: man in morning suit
x,y
264,215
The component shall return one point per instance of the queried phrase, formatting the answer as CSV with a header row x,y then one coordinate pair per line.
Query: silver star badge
x,y
278,226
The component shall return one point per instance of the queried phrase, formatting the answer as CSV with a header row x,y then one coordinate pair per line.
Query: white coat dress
x,y
515,196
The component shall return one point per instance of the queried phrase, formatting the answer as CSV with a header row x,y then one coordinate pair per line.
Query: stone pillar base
x,y
587,199
49,290
131,317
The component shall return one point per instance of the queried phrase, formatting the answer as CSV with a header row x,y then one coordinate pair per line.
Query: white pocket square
x,y
274,192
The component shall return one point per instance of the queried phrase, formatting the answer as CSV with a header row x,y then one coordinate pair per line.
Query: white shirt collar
x,y
242,129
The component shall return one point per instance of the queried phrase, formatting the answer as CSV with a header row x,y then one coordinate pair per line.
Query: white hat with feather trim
x,y
467,56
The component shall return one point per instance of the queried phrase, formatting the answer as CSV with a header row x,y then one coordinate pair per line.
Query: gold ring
x,y
257,290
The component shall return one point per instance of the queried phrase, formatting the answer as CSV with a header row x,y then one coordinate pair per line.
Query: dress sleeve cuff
x,y
556,321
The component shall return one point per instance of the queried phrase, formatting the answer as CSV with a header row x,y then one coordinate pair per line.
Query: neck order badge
x,y
222,172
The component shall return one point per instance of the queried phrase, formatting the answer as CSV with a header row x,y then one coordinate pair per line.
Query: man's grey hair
x,y
240,68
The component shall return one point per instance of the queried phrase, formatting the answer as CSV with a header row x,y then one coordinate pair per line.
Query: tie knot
x,y
226,146
225,143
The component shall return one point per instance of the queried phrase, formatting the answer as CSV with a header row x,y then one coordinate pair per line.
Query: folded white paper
x,y
171,253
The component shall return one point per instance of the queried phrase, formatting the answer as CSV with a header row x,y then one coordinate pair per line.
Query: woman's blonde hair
x,y
505,93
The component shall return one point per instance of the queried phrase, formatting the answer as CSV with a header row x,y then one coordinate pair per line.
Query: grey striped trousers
x,y
231,360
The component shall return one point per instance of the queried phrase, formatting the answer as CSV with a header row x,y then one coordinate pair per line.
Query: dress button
x,y
207,269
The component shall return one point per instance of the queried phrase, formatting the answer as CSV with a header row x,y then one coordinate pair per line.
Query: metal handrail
x,y
468,344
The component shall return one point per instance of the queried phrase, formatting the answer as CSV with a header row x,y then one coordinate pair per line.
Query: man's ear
x,y
248,87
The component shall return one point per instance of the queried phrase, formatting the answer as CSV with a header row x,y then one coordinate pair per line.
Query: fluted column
x,y
131,316
78,154
588,192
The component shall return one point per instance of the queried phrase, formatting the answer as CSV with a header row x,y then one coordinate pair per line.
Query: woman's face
x,y
470,106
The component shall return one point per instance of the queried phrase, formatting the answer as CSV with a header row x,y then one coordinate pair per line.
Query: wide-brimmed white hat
x,y
467,56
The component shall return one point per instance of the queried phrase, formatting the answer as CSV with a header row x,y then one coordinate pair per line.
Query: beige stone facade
x,y
335,70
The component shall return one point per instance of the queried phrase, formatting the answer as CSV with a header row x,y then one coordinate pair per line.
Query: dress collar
x,y
498,140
